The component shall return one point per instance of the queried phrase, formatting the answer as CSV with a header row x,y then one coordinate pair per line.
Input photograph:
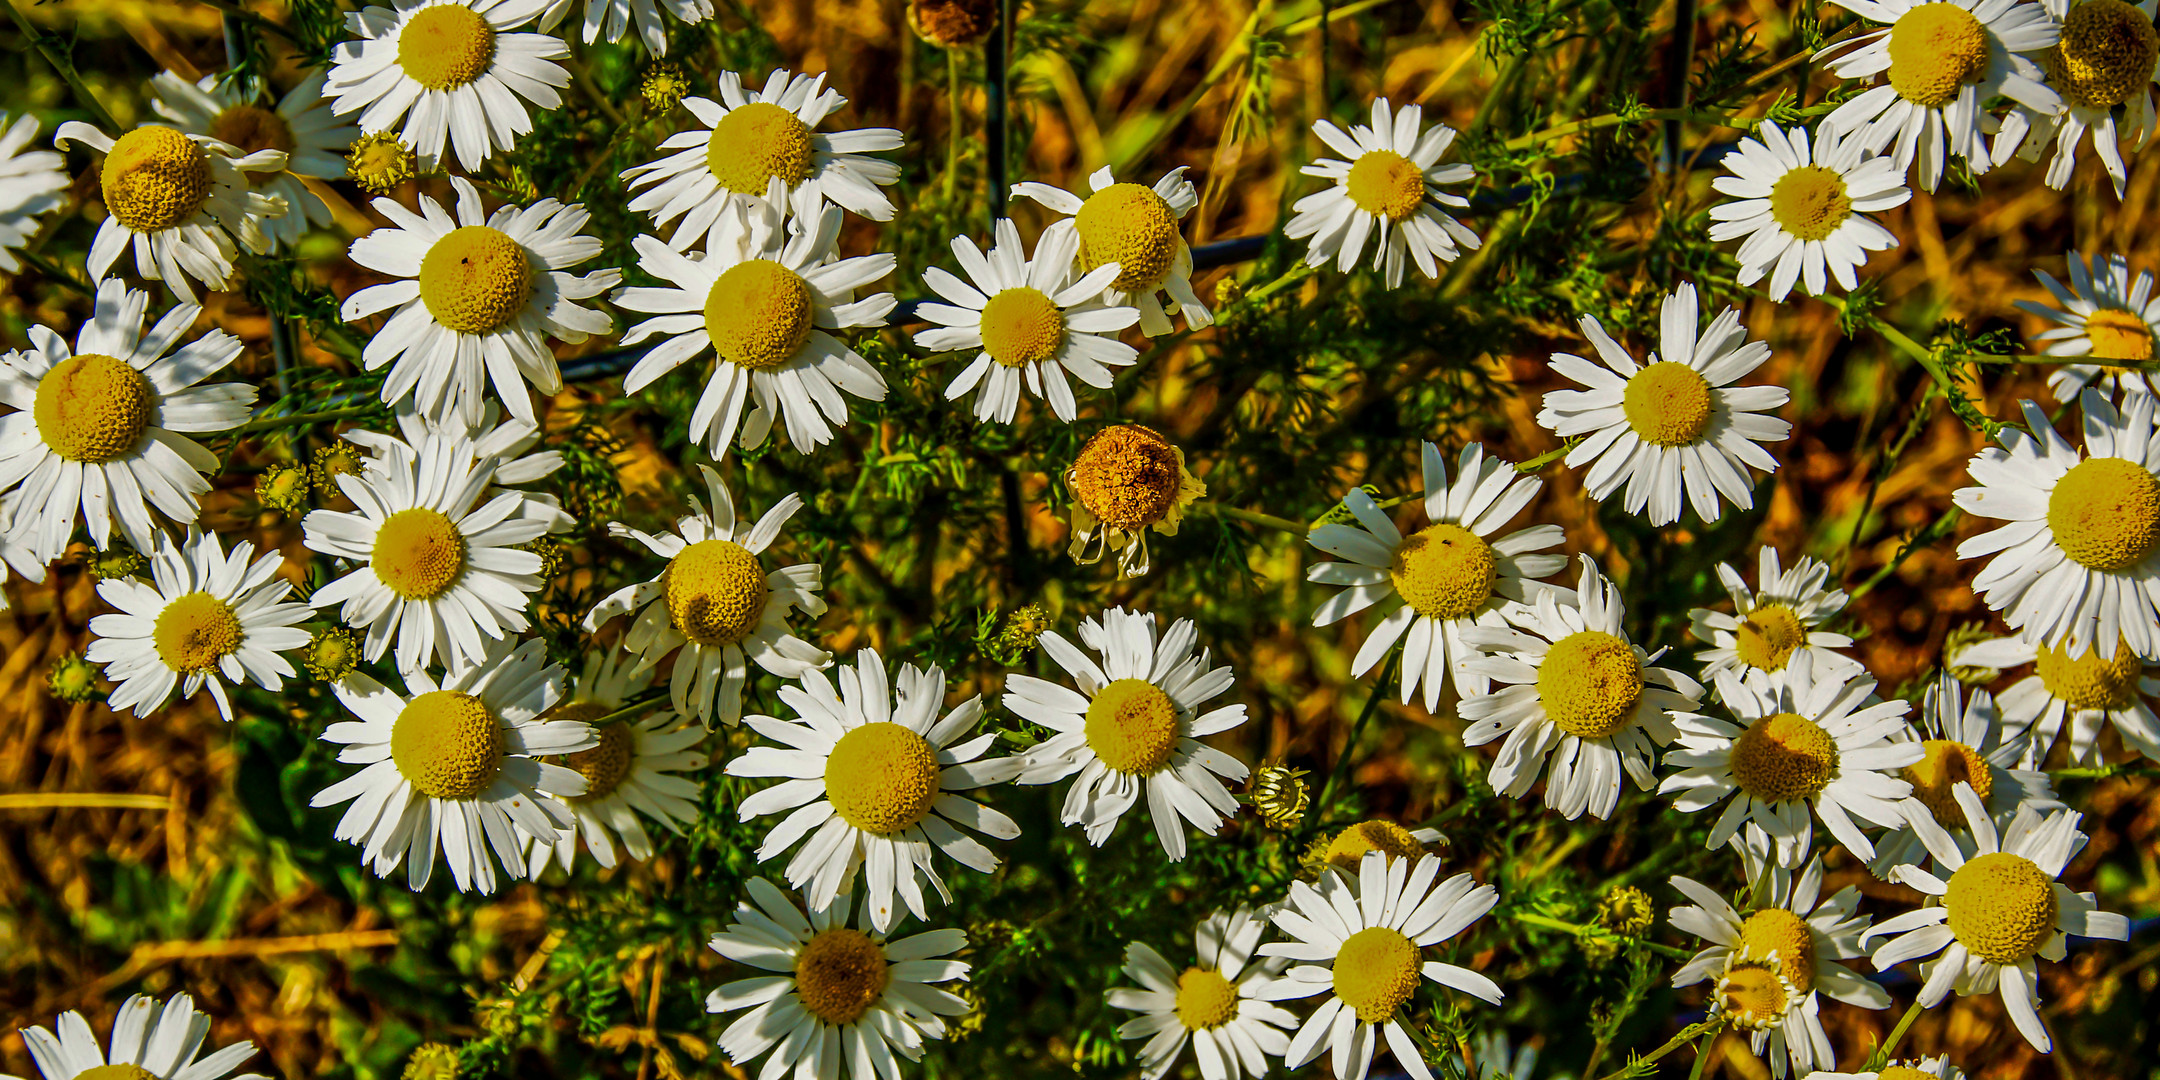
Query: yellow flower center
x,y
1810,202
195,631
715,592
378,162
1132,726
155,178
605,766
1346,852
446,46
1128,476
1667,403
92,408
1753,994
1376,971
1022,326
2089,681
447,745
1935,50
1786,934
882,777
252,128
1904,1072
1387,184
1589,684
2002,907
418,553
1767,637
2105,513
1942,765
2106,54
1205,1000
476,279
1129,225
840,974
1444,571
2119,335
1784,757
757,142
758,314
116,1072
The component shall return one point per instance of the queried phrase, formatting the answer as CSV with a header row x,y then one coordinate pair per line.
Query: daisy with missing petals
x,y
179,200
148,1043
30,185
302,127
2104,314
1673,425
1964,741
612,18
477,298
447,71
1934,1068
1575,688
203,614
1216,1003
104,426
2000,910
1802,206
1391,183
1767,628
2084,692
835,993
1127,480
2107,57
751,140
765,299
630,775
456,764
1363,946
1031,322
1134,726
1135,227
1453,574
716,603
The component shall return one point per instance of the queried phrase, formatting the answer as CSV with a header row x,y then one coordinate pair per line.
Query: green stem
x,y
298,419
57,275
630,710
1365,715
1546,458
1702,1054
1882,1054
1254,517
67,71
1687,1035
1582,929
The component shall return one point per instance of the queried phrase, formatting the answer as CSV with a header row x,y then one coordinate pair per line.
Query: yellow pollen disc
x,y
252,128
1132,726
1780,931
447,745
1904,1072
758,314
92,408
2002,907
1376,971
757,142
1444,572
1127,476
418,553
1387,184
476,279
1942,766
1346,852
1589,684
2119,335
1667,403
605,766
1022,326
2106,54
195,631
2105,513
1753,996
1767,637
155,178
1935,50
840,974
1810,202
1129,225
1784,757
1205,1000
2088,681
882,777
116,1072
715,592
446,46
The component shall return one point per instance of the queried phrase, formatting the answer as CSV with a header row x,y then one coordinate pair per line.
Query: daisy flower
x,y
1767,628
1134,726
1030,320
835,993
1815,740
1362,946
715,602
1391,183
30,185
1575,688
147,1041
2084,692
869,778
104,426
612,19
1346,849
1136,227
2107,57
1674,424
2000,910
476,299
179,201
1934,1068
1964,741
1215,1003
1127,481
2103,314
447,70
1802,206
457,764
630,775
203,614
1451,575
765,300
508,443
301,127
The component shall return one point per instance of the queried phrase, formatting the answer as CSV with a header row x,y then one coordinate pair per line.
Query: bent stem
x,y
1365,715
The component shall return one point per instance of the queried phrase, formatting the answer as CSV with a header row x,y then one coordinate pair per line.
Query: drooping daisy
x,y
1926,1068
456,763
764,299
2084,692
1449,575
1031,321
104,426
1802,205
612,19
477,298
836,993
440,570
2000,909
2107,57
441,71
1135,227
30,185
1964,741
630,775
1127,480
716,604
179,201
1674,425
1216,1003
1391,183
1767,628
203,614
1133,727
302,127
1576,689
1364,946
2104,315
147,1042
